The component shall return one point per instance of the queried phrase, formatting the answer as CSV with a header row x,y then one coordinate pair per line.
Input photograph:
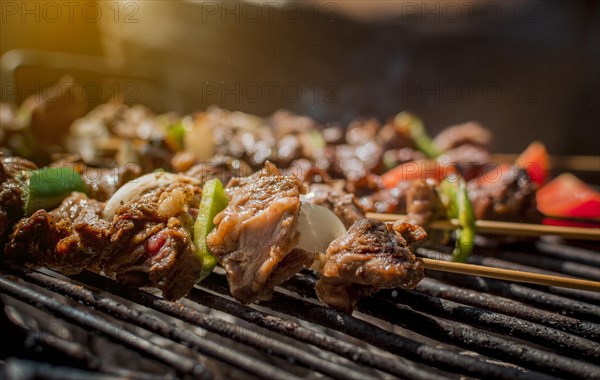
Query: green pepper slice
x,y
214,200
45,188
454,194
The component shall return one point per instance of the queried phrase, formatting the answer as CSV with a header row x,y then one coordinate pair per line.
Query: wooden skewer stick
x,y
510,275
507,228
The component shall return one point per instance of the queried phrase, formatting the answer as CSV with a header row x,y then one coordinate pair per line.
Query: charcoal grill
x,y
450,326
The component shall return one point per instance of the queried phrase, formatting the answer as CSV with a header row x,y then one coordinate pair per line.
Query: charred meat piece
x,y
344,205
255,236
418,200
387,200
156,154
509,196
127,122
252,139
151,239
423,203
286,123
148,241
11,197
357,161
365,185
470,160
222,167
371,255
468,133
391,137
69,239
52,113
394,157
362,130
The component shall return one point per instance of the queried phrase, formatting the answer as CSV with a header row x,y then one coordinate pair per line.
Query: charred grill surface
x,y
533,334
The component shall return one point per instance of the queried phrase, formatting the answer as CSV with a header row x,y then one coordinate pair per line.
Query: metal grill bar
x,y
434,356
555,265
581,295
564,343
502,305
457,306
114,308
75,355
399,367
114,331
455,334
522,293
27,369
570,253
223,328
580,306
479,341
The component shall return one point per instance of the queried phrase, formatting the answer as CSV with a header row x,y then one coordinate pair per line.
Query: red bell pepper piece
x,y
416,170
568,196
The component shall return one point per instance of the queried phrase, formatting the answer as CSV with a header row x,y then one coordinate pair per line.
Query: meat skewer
x,y
153,217
504,228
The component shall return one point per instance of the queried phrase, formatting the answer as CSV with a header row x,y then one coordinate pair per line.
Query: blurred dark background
x,y
527,70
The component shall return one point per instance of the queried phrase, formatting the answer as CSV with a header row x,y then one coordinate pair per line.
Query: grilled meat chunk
x,y
423,203
418,200
69,239
255,235
357,161
509,197
222,167
470,160
370,256
387,200
151,240
467,133
11,188
343,204
147,242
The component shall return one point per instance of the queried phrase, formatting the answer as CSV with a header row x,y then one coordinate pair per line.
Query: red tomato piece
x,y
536,161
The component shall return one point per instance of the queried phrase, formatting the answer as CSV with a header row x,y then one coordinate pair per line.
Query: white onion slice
x,y
318,227
136,187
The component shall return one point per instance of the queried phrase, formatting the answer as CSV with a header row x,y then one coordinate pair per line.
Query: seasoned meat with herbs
x,y
146,240
11,189
505,195
255,236
151,239
371,255
69,239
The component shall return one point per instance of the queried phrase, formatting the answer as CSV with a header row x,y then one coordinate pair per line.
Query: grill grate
x,y
449,326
